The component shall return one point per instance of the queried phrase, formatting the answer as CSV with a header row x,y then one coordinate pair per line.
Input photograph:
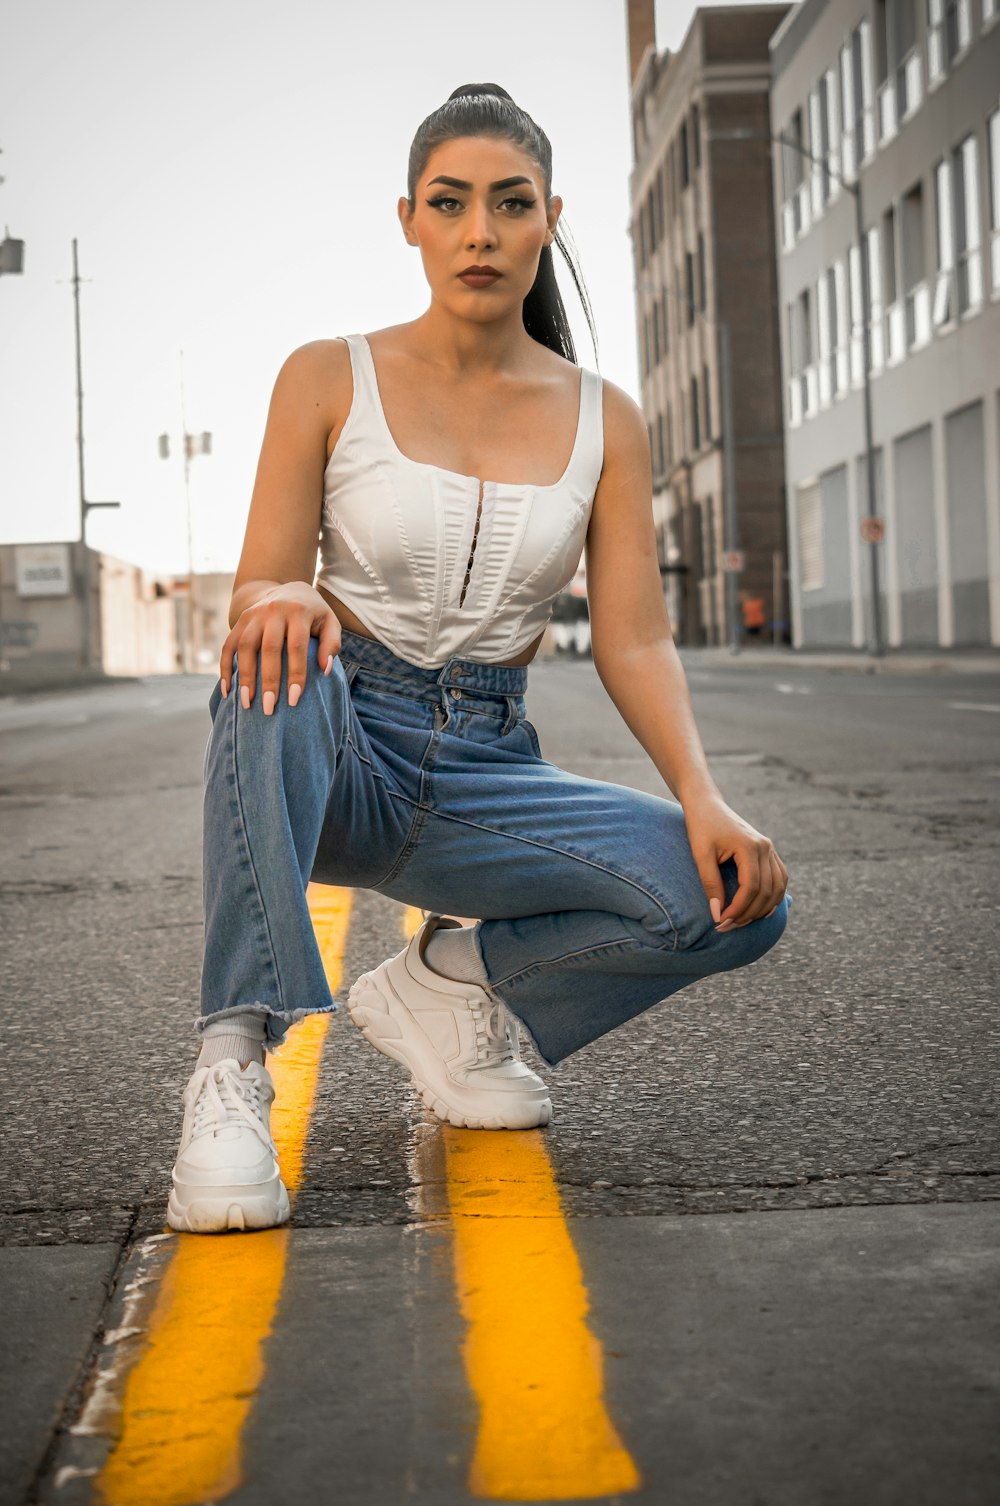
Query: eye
x,y
442,199
522,203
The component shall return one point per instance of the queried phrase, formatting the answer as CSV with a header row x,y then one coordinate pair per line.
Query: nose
x,y
479,229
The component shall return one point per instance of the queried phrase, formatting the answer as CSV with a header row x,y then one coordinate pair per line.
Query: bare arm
x,y
633,646
273,595
639,667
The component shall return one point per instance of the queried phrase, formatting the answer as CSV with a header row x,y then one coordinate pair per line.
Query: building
x,y
135,623
898,102
704,256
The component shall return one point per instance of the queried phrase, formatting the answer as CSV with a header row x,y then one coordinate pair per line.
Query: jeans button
x,y
457,694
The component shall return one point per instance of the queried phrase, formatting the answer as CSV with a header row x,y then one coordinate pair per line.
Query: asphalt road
x,y
844,1349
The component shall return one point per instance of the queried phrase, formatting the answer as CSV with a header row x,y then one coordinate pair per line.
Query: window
x,y
706,388
944,287
889,255
670,434
897,63
659,444
856,84
792,158
957,28
827,322
949,31
912,264
819,147
895,313
685,156
965,193
695,416
703,299
833,125
696,134
876,307
689,284
655,321
993,146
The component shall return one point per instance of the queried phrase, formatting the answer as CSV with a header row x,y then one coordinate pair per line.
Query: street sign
x,y
873,530
732,560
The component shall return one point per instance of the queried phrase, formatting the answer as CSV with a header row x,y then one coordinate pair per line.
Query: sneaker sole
x,y
365,995
216,1210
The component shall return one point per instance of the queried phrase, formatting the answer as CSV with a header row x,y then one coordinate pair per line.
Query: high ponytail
x,y
488,110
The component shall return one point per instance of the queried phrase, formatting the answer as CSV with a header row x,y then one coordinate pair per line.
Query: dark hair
x,y
488,110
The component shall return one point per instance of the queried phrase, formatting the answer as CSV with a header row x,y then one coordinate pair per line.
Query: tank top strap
x,y
366,393
590,454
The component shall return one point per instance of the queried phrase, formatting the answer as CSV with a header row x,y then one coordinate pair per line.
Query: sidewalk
x,y
969,661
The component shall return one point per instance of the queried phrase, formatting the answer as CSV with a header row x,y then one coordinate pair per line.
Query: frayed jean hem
x,y
274,1019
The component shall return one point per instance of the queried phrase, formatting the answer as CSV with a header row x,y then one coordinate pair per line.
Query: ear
x,y
406,220
552,216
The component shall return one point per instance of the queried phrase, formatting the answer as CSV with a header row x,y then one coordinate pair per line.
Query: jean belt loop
x,y
351,668
510,721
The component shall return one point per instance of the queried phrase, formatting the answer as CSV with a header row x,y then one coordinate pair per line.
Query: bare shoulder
x,y
626,436
317,377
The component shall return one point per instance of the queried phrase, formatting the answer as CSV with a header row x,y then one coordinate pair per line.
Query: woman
x,y
368,729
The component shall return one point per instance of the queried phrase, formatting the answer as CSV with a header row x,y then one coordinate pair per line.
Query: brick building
x,y
704,257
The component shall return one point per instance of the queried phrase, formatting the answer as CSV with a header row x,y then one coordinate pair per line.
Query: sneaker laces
x,y
228,1098
494,1043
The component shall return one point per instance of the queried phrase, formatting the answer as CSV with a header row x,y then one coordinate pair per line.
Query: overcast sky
x,y
230,169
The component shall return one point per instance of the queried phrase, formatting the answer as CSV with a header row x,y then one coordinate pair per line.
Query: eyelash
x,y
512,199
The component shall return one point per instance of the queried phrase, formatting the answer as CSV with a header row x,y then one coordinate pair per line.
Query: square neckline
x,y
481,482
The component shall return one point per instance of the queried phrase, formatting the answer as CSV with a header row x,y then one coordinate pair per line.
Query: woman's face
x,y
469,221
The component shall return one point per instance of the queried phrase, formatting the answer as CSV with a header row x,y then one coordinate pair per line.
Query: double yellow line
x,y
532,1362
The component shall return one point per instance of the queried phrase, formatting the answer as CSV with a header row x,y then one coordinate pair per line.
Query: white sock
x,y
239,1035
453,952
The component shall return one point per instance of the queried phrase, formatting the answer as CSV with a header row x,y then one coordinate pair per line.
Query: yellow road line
x,y
188,1395
534,1366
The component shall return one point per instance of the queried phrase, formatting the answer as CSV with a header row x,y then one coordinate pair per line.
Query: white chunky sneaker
x,y
460,1045
226,1175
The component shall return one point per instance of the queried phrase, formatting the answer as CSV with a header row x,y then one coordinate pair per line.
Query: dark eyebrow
x,y
501,183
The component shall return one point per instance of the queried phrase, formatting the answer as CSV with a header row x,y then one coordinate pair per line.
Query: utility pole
x,y
191,444
83,575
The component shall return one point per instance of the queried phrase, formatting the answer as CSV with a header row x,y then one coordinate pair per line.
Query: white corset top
x,y
432,570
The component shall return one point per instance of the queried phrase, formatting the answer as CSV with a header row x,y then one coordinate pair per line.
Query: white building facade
x,y
898,100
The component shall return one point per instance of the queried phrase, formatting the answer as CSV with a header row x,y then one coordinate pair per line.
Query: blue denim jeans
x,y
429,786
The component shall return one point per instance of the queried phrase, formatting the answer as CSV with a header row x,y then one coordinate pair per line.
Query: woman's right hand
x,y
294,611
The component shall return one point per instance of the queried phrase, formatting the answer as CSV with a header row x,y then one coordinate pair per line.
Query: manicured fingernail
x,y
268,702
727,925
716,908
294,691
225,689
329,666
245,696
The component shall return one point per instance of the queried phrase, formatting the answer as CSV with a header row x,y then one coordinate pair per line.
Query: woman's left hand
x,y
716,833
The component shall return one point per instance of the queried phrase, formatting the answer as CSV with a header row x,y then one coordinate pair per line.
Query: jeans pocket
x,y
532,735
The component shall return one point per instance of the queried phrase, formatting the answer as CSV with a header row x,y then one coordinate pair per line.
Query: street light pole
x,y
730,525
85,506
876,643
876,646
